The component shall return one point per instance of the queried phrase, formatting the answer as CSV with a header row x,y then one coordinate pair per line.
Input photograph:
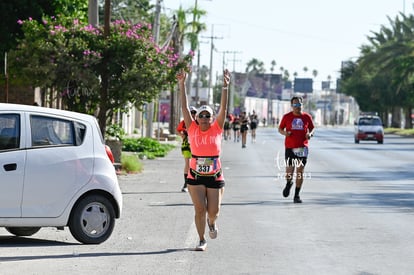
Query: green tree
x,y
272,67
10,11
255,66
13,10
383,76
305,69
72,58
190,31
315,73
286,75
135,11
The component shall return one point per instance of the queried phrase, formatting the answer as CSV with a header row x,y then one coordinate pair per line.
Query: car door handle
x,y
10,167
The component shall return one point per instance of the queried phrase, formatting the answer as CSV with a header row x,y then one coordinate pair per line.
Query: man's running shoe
x,y
201,246
286,191
184,189
212,230
297,200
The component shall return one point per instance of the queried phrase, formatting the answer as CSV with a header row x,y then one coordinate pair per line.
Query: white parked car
x,y
55,171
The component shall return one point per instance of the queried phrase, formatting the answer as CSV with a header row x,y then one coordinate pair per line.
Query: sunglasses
x,y
204,116
296,104
193,113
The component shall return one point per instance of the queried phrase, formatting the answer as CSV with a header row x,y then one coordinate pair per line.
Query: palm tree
x,y
286,75
196,26
182,27
305,69
314,73
255,66
190,31
273,63
388,68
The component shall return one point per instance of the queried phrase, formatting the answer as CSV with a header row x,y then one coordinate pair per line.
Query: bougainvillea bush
x,y
92,71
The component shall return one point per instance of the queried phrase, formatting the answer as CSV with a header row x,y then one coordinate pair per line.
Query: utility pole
x,y
231,101
107,20
105,73
197,83
150,106
174,98
196,18
93,18
212,37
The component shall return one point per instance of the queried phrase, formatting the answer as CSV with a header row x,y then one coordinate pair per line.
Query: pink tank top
x,y
205,148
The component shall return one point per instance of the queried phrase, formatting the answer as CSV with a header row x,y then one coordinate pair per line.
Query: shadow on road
x,y
395,201
89,255
14,241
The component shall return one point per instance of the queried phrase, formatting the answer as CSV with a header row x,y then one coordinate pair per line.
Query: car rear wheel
x,y
23,231
92,220
356,140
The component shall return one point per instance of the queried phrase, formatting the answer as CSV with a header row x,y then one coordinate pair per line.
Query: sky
x,y
317,34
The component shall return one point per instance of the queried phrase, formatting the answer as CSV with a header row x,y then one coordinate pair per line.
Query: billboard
x,y
258,85
326,85
303,85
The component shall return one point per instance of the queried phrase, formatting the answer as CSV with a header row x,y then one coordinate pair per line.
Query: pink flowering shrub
x,y
91,71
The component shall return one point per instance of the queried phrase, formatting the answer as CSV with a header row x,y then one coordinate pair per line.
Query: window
x,y
80,131
9,131
51,131
376,121
370,121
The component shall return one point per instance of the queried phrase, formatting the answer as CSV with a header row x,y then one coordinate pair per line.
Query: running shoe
x,y
297,200
184,189
213,230
286,191
201,246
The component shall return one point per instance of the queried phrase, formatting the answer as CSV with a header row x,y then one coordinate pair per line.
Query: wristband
x,y
225,88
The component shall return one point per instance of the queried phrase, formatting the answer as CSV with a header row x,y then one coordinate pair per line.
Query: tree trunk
x,y
175,109
396,117
103,106
408,119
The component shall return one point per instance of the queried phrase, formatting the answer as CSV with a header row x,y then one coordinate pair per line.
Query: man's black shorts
x,y
293,160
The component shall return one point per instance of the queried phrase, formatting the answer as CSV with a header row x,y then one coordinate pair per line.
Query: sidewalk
x,y
166,171
163,127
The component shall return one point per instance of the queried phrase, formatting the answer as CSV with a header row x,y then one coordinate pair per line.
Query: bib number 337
x,y
205,165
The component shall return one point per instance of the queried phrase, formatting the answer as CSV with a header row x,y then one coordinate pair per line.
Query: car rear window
x,y
80,131
9,131
55,131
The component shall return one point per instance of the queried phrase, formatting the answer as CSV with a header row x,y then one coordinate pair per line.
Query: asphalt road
x,y
357,217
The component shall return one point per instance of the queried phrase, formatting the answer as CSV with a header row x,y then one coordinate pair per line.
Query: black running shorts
x,y
292,160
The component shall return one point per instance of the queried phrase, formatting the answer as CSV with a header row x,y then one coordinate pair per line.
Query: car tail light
x,y
109,153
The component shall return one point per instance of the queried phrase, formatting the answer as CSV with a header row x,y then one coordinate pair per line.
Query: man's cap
x,y
205,108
